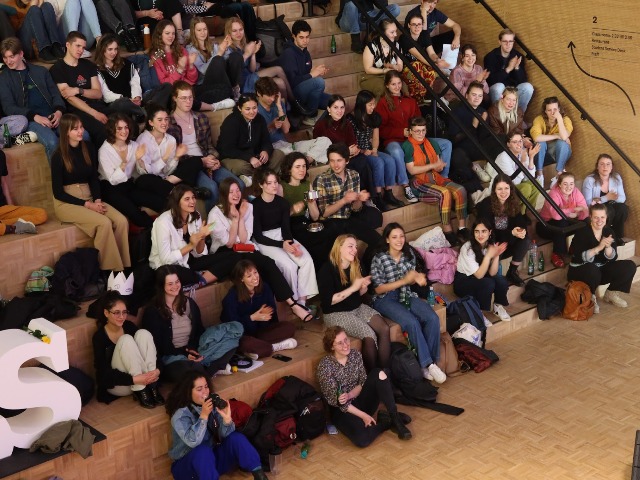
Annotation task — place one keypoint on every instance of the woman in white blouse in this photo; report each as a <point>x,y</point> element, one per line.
<point>117,159</point>
<point>178,238</point>
<point>162,166</point>
<point>231,230</point>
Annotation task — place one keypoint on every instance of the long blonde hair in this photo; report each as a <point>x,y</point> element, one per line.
<point>207,52</point>
<point>227,31</point>
<point>336,260</point>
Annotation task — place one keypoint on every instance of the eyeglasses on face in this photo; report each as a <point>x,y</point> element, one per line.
<point>119,313</point>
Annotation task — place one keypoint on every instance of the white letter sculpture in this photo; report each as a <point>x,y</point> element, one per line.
<point>47,398</point>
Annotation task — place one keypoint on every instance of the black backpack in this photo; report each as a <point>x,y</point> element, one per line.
<point>465,310</point>
<point>77,275</point>
<point>275,36</point>
<point>407,377</point>
<point>549,299</point>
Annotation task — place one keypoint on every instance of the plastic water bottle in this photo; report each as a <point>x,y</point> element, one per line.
<point>431,299</point>
<point>533,258</point>
<point>304,451</point>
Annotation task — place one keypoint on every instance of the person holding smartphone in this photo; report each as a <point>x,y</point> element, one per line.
<point>204,441</point>
<point>181,341</point>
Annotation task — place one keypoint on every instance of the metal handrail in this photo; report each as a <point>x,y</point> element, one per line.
<point>574,225</point>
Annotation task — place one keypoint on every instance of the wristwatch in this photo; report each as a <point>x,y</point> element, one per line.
<point>81,91</point>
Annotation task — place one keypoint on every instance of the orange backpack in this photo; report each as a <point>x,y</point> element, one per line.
<point>578,304</point>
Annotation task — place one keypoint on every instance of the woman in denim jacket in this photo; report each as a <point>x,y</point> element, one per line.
<point>205,444</point>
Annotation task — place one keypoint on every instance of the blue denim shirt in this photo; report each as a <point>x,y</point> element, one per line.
<point>189,430</point>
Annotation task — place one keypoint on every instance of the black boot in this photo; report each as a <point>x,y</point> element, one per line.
<point>158,399</point>
<point>259,475</point>
<point>380,203</point>
<point>143,396</point>
<point>398,427</point>
<point>452,238</point>
<point>356,44</point>
<point>513,277</point>
<point>384,420</point>
<point>389,198</point>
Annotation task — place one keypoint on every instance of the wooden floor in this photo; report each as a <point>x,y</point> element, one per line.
<point>562,403</point>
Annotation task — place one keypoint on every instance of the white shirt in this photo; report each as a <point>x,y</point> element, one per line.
<point>508,166</point>
<point>222,226</point>
<point>167,241</point>
<point>136,89</point>
<point>109,163</point>
<point>467,263</point>
<point>153,156</point>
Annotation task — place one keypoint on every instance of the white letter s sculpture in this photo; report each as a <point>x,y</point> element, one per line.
<point>47,398</point>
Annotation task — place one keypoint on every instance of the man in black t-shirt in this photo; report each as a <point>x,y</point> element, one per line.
<point>14,219</point>
<point>77,80</point>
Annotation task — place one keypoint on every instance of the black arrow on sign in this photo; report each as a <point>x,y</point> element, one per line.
<point>572,46</point>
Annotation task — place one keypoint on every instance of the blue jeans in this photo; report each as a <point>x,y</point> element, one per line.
<point>525,92</point>
<point>420,322</point>
<point>81,15</point>
<point>445,154</point>
<point>213,182</point>
<point>48,137</point>
<point>387,171</point>
<point>558,149</point>
<point>206,463</point>
<point>311,93</point>
<point>39,23</point>
<point>350,19</point>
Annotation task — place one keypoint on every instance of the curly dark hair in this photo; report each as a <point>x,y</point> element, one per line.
<point>329,337</point>
<point>112,123</point>
<point>107,301</point>
<point>180,396</point>
<point>512,206</point>
<point>287,165</point>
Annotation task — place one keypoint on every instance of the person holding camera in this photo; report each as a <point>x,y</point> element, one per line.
<point>205,444</point>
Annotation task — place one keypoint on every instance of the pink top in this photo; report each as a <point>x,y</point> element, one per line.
<point>576,199</point>
<point>462,79</point>
<point>167,73</point>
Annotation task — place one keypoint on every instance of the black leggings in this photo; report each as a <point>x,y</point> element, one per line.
<point>559,239</point>
<point>244,10</point>
<point>372,356</point>
<point>127,199</point>
<point>373,392</point>
<point>216,85</point>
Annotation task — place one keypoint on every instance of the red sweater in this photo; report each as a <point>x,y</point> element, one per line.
<point>394,122</point>
<point>337,131</point>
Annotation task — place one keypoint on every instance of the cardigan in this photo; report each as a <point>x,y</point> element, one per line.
<point>106,376</point>
<point>591,188</point>
<point>162,331</point>
<point>584,240</point>
<point>233,310</point>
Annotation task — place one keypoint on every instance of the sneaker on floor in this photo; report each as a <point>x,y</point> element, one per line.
<point>409,195</point>
<point>596,307</point>
<point>22,226</point>
<point>288,344</point>
<point>227,371</point>
<point>540,180</point>
<point>481,172</point>
<point>610,296</point>
<point>309,121</point>
<point>554,180</point>
<point>487,322</point>
<point>513,278</point>
<point>26,137</point>
<point>501,312</point>
<point>435,373</point>
<point>248,181</point>
<point>221,105</point>
<point>252,356</point>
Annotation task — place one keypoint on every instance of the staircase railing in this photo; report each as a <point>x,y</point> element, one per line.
<point>373,25</point>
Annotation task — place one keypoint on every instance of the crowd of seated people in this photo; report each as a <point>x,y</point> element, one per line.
<point>276,234</point>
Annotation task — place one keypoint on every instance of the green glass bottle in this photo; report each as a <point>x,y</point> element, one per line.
<point>530,266</point>
<point>541,262</point>
<point>334,48</point>
<point>6,136</point>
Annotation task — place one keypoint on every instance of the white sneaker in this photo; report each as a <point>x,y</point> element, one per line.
<point>288,344</point>
<point>26,137</point>
<point>613,298</point>
<point>596,307</point>
<point>227,371</point>
<point>481,172</point>
<point>501,312</point>
<point>486,321</point>
<point>408,194</point>
<point>222,104</point>
<point>252,356</point>
<point>554,180</point>
<point>86,54</point>
<point>22,226</point>
<point>540,180</point>
<point>478,196</point>
<point>309,121</point>
<point>434,373</point>
<point>248,181</point>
